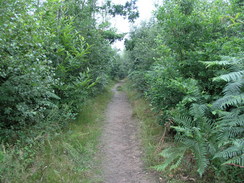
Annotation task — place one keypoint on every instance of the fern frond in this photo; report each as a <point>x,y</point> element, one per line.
<point>173,157</point>
<point>189,99</point>
<point>229,100</point>
<point>184,121</point>
<point>189,142</point>
<point>239,160</point>
<point>232,76</point>
<point>171,151</point>
<point>231,132</point>
<point>179,138</point>
<point>231,125</point>
<point>208,125</point>
<point>230,114</point>
<point>200,153</point>
<point>198,110</point>
<point>177,163</point>
<point>199,149</point>
<point>234,153</point>
<point>212,146</point>
<point>215,63</point>
<point>184,130</point>
<point>232,121</point>
<point>225,60</point>
<point>164,165</point>
<point>234,88</point>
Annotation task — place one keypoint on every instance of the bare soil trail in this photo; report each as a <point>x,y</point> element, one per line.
<point>120,144</point>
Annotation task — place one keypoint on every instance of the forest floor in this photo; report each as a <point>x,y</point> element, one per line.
<point>120,143</point>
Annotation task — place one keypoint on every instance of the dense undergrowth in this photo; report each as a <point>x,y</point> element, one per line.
<point>66,156</point>
<point>188,63</point>
<point>55,56</point>
<point>156,137</point>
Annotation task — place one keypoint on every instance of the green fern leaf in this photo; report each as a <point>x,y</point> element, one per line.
<point>233,76</point>
<point>198,110</point>
<point>234,153</point>
<point>232,121</point>
<point>186,131</point>
<point>173,157</point>
<point>184,121</point>
<point>229,132</point>
<point>226,60</point>
<point>200,152</point>
<point>234,88</point>
<point>216,63</point>
<point>177,163</point>
<point>229,100</point>
<point>238,160</point>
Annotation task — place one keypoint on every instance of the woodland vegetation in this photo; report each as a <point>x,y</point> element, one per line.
<point>54,56</point>
<point>187,62</point>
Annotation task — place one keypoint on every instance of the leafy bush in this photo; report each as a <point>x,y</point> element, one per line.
<point>48,63</point>
<point>209,140</point>
<point>167,61</point>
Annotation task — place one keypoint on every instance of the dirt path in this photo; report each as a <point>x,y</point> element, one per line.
<point>120,144</point>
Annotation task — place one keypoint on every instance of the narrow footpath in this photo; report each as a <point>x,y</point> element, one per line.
<point>122,161</point>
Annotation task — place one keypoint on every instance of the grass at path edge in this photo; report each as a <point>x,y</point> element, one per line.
<point>150,132</point>
<point>69,157</point>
